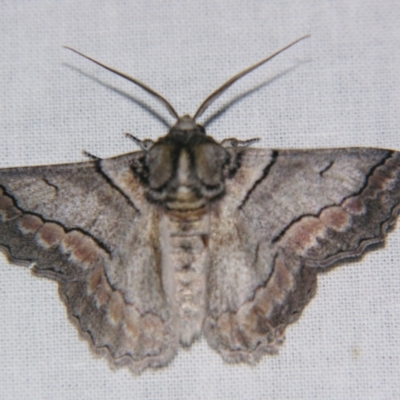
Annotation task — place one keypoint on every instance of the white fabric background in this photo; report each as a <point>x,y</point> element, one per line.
<point>339,88</point>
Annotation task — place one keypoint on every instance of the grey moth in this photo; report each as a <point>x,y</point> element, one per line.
<point>190,237</point>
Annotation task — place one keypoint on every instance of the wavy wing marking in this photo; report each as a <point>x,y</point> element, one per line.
<point>311,209</point>
<point>70,221</point>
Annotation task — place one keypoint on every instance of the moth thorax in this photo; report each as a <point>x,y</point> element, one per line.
<point>186,195</point>
<point>184,192</point>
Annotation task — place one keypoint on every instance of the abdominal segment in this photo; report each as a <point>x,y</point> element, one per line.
<point>185,264</point>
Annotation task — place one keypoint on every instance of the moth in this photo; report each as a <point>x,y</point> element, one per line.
<point>191,237</point>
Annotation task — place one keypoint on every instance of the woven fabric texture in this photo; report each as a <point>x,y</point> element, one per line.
<point>339,88</point>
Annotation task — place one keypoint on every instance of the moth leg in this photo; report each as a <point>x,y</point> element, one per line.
<point>144,144</point>
<point>90,155</point>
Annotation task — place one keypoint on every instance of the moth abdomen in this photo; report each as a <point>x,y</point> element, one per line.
<point>186,258</point>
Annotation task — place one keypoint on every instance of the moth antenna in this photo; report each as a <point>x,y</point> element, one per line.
<point>214,95</point>
<point>133,80</point>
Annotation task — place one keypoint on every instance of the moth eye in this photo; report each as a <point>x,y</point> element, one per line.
<point>210,162</point>
<point>159,163</point>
